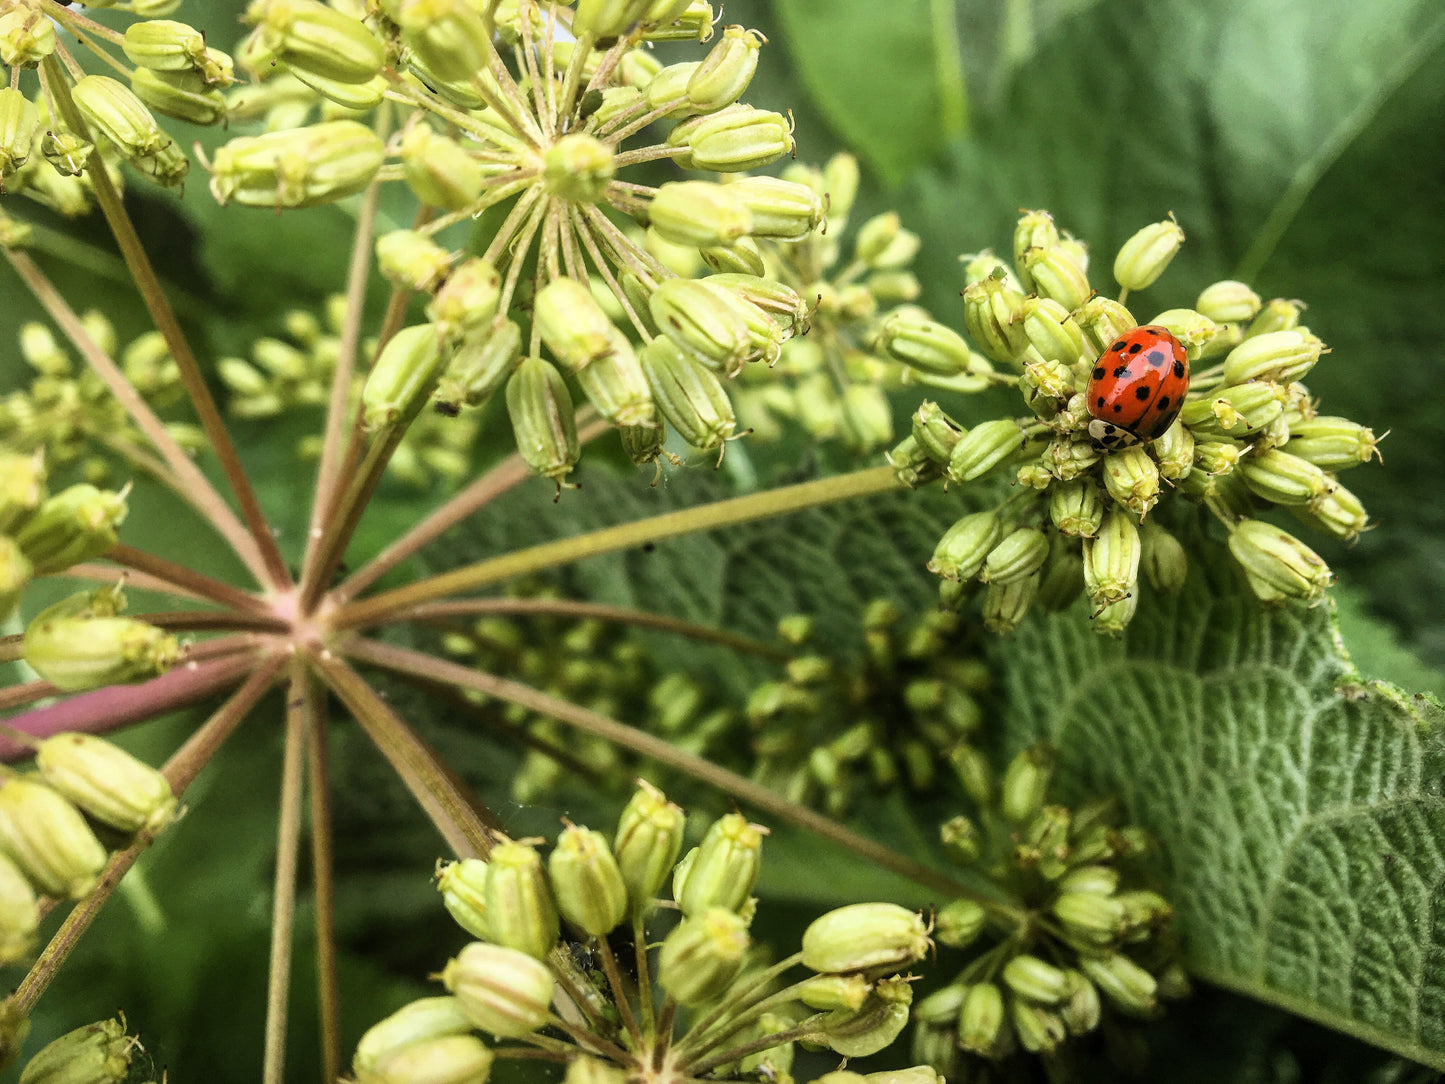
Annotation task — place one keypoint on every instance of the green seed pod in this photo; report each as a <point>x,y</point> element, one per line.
<point>411,260</point>
<point>1277,565</point>
<point>19,121</point>
<point>935,432</point>
<point>520,910</point>
<point>467,301</point>
<point>965,546</point>
<point>48,839</point>
<point>1057,275</point>
<point>1282,478</point>
<point>983,448</point>
<point>726,866</point>
<point>591,894</point>
<point>959,923</point>
<point>870,937</point>
<point>1143,257</point>
<point>543,421</point>
<point>449,37</point>
<point>1131,988</point>
<point>1075,508</point>
<point>106,782</point>
<point>416,1022</point>
<point>439,170</point>
<point>1228,302</point>
<point>649,836</point>
<point>502,990</point>
<point>688,395</point>
<point>981,1027</point>
<point>1039,1031</point>
<point>1339,513</point>
<point>726,71</point>
<point>1131,477</point>
<point>402,377</point>
<point>782,210</point>
<point>1162,559</point>
<point>314,39</point>
<point>183,95</point>
<point>1102,320</point>
<point>1019,554</point>
<point>873,1026</point>
<point>699,213</point>
<point>1280,356</point>
<point>1111,561</point>
<point>572,324</point>
<point>74,525</point>
<point>302,167</point>
<point>463,886</point>
<point>1053,331</point>
<point>828,993</point>
<point>94,1054</point>
<point>1330,443</point>
<point>1026,783</point>
<point>1035,229</point>
<point>924,345</point>
<point>702,955</point>
<point>115,112</point>
<point>993,315</point>
<point>1174,452</point>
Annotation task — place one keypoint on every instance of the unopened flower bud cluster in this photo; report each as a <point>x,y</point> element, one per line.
<point>1085,935</point>
<point>99,1053</point>
<point>49,824</point>
<point>1249,439</point>
<point>699,994</point>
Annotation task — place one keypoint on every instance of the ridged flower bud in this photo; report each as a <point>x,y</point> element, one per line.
<point>965,546</point>
<point>463,886</point>
<point>827,993</point>
<point>726,71</point>
<point>1103,320</point>
<point>501,990</point>
<point>699,213</point>
<point>572,324</point>
<point>978,266</point>
<point>1162,559</point>
<point>439,170</point>
<point>49,839</point>
<point>1277,565</point>
<point>782,210</point>
<point>75,652</point>
<point>865,937</point>
<point>19,913</point>
<point>649,836</point>
<point>1053,331</point>
<point>1330,443</point>
<point>1339,512</point>
<point>450,37</point>
<point>1283,478</point>
<point>993,315</point>
<point>1035,979</point>
<point>605,19</point>
<point>983,448</point>
<point>616,385</point>
<point>1234,411</point>
<point>419,1021</point>
<point>590,892</point>
<point>1131,988</point>
<point>106,782</point>
<point>1111,561</point>
<point>924,345</point>
<point>738,139</point>
<point>703,954</point>
<point>1075,508</point>
<point>779,301</point>
<point>97,1053</point>
<point>315,39</point>
<point>981,1027</point>
<point>301,167</point>
<point>521,912</point>
<point>402,377</point>
<point>27,36</point>
<point>165,45</point>
<point>1039,1031</point>
<point>687,394</point>
<point>725,868</point>
<point>411,260</point>
<point>183,95</point>
<point>1174,452</point>
<point>74,525</point>
<point>1131,477</point>
<point>543,421</point>
<point>1090,917</point>
<point>1019,554</point>
<point>871,1027</point>
<point>1276,315</point>
<point>959,923</point>
<point>1280,356</point>
<point>19,121</point>
<point>1057,275</point>
<point>1228,302</point>
<point>742,257</point>
<point>113,110</point>
<point>1143,258</point>
<point>578,167</point>
<point>1026,783</point>
<point>713,324</point>
<point>1035,229</point>
<point>935,432</point>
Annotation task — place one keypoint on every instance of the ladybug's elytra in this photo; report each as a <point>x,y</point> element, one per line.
<point>1137,387</point>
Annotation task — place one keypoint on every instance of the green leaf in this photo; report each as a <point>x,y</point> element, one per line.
<point>1298,806</point>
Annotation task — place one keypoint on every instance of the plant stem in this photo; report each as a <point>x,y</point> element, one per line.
<point>740,789</point>
<point>192,582</point>
<point>481,492</point>
<point>213,621</point>
<point>288,850</point>
<point>154,297</point>
<point>181,770</point>
<point>462,820</point>
<point>323,879</point>
<point>573,608</point>
<point>726,513</point>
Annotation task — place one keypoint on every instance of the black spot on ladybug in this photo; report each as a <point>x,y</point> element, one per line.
<point>1134,348</point>
<point>1099,373</point>
<point>1142,392</point>
<point>1121,372</point>
<point>1163,403</point>
<point>1101,400</point>
<point>1179,370</point>
<point>1118,408</point>
<point>1117,346</point>
<point>1156,358</point>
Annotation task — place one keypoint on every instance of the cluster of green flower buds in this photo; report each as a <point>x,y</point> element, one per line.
<point>546,927</point>
<point>1082,933</point>
<point>73,416</point>
<point>53,820</point>
<point>99,1053</point>
<point>1247,438</point>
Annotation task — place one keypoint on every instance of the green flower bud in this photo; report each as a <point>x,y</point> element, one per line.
<point>604,19</point>
<point>74,525</point>
<point>115,112</point>
<point>19,913</point>
<point>1005,605</point>
<point>1217,456</point>
<point>993,315</point>
<point>1283,478</point>
<point>1035,229</point>
<point>446,1059</point>
<point>183,95</point>
<point>703,955</point>
<point>85,652</point>
<point>1053,331</point>
<point>1039,1031</point>
<point>94,1054</point>
<point>22,487</point>
<point>1339,513</point>
<point>1082,1009</point>
<point>873,1026</point>
<point>741,257</point>
<point>1102,320</point>
<point>866,417</point>
<point>1277,565</point>
<point>18,123</point>
<point>884,243</point>
<point>467,300</point>
<point>501,990</point>
<point>965,546</point>
<point>417,1022</point>
<point>840,185</point>
<point>1228,302</point>
<point>1234,411</point>
<point>106,782</point>
<point>439,170</point>
<point>1057,274</point>
<point>1131,988</point>
<point>1276,315</point>
<point>520,909</point>
<point>572,324</point>
<point>699,213</point>
<point>1075,508</point>
<point>878,937</point>
<point>591,894</point>
<point>1090,917</point>
<point>911,465</point>
<point>543,421</point>
<point>981,1020</point>
<point>726,866</point>
<point>688,395</point>
<point>984,447</point>
<point>715,325</point>
<point>1194,330</point>
<point>463,886</point>
<point>726,71</point>
<point>27,36</point>
<point>585,1070</point>
<point>449,37</point>
<point>649,836</point>
<point>48,839</point>
<point>315,39</point>
<point>1111,561</point>
<point>302,167</point>
<point>828,993</point>
<point>978,266</point>
<point>1026,783</point>
<point>165,45</point>
<point>925,345</point>
<point>959,923</point>
<point>782,210</point>
<point>1143,257</point>
<point>935,432</point>
<point>617,386</point>
<point>402,377</point>
<point>411,260</point>
<point>917,1074</point>
<point>1162,559</point>
<point>1019,554</point>
<point>1132,478</point>
<point>780,302</point>
<point>578,167</point>
<point>1062,579</point>
<point>1174,452</point>
<point>1281,356</point>
<point>738,139</point>
<point>940,1007</point>
<point>1330,443</point>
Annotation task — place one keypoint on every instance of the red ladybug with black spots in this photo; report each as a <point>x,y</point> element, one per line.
<point>1137,388</point>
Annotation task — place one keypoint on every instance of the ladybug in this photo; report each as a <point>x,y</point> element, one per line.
<point>1137,387</point>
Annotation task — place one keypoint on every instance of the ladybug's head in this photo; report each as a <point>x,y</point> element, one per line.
<point>1108,437</point>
